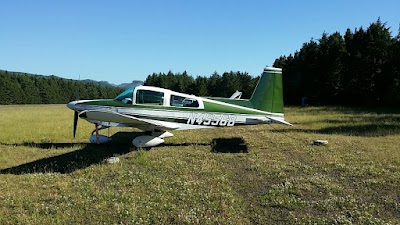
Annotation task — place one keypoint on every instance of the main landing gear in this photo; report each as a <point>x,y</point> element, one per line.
<point>155,137</point>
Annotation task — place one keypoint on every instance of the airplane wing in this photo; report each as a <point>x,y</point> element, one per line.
<point>117,119</point>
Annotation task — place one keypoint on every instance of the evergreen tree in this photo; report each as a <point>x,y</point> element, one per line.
<point>360,68</point>
<point>22,88</point>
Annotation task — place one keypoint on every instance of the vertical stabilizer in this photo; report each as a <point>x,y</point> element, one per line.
<point>268,94</point>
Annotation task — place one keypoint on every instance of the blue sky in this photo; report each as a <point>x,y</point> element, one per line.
<point>121,41</point>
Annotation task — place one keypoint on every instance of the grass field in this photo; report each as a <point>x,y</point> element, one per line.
<point>47,177</point>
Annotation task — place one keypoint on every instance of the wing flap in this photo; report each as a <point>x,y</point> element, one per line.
<point>130,121</point>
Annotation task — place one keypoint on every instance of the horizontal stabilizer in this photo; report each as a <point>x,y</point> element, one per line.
<point>279,120</point>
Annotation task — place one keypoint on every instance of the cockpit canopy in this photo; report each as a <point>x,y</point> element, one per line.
<point>148,95</point>
<point>125,96</point>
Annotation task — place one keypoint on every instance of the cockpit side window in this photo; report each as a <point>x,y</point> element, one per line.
<point>180,101</point>
<point>149,97</point>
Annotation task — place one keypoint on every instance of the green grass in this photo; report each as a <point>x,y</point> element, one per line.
<point>47,177</point>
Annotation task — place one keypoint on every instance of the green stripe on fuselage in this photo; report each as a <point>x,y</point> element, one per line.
<point>215,107</point>
<point>208,107</point>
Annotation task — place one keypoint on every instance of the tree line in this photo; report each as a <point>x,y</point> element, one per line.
<point>21,88</point>
<point>359,68</point>
<point>215,85</point>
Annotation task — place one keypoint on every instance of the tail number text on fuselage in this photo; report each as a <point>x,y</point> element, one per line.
<point>211,119</point>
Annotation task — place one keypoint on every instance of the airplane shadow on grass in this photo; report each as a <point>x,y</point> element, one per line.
<point>90,154</point>
<point>69,162</point>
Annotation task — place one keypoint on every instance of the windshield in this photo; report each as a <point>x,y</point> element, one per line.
<point>125,95</point>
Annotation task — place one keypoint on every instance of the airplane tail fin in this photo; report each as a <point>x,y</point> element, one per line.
<point>268,94</point>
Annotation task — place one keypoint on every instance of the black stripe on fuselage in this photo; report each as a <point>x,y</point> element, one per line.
<point>180,120</point>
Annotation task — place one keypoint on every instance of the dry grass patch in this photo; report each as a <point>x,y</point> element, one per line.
<point>47,177</point>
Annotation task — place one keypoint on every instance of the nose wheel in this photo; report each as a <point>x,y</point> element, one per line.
<point>95,137</point>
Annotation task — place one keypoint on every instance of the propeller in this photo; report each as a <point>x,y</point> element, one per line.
<point>76,113</point>
<point>75,121</point>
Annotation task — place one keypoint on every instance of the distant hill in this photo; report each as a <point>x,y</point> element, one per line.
<point>27,88</point>
<point>101,83</point>
<point>134,83</point>
<point>123,85</point>
<point>22,73</point>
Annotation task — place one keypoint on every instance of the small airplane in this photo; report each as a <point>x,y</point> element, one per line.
<point>159,111</point>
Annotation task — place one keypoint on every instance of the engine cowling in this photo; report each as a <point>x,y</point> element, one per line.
<point>102,139</point>
<point>147,141</point>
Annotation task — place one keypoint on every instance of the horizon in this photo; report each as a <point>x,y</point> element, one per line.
<point>126,41</point>
<point>48,75</point>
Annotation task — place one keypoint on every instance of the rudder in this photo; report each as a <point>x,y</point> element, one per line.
<point>268,94</point>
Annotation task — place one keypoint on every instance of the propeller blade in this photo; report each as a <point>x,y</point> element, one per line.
<point>75,121</point>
